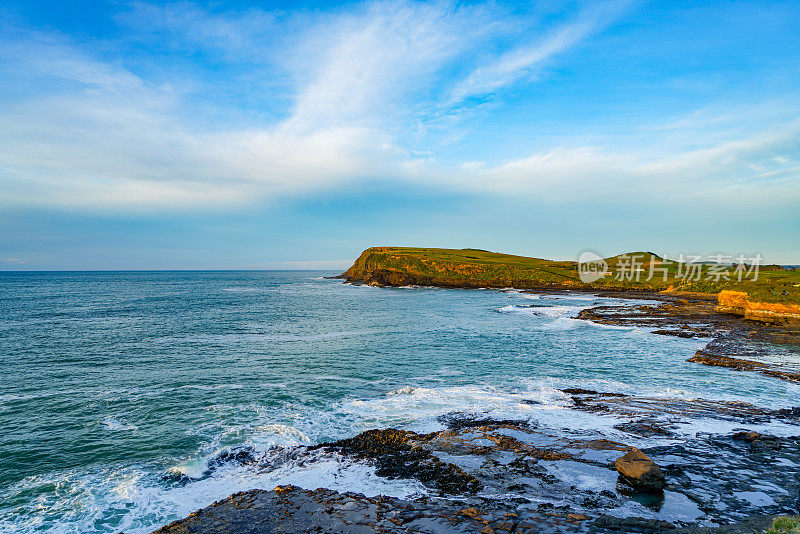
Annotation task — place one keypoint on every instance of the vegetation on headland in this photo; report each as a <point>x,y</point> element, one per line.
<point>635,271</point>
<point>785,525</point>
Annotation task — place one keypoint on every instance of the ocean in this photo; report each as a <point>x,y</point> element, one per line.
<point>121,392</point>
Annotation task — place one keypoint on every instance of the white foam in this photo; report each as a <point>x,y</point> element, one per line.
<point>278,435</point>
<point>280,338</point>
<point>238,289</point>
<point>140,502</point>
<point>116,426</point>
<point>418,408</point>
<point>544,311</point>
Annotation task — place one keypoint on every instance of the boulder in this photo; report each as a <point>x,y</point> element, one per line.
<point>640,471</point>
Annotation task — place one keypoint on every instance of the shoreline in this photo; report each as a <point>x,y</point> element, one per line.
<point>773,297</point>
<point>727,329</point>
<point>455,505</point>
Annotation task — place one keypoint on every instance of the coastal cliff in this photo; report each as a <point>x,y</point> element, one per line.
<point>466,268</point>
<point>739,303</point>
<point>773,297</point>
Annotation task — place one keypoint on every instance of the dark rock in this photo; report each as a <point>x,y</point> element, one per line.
<point>632,524</point>
<point>676,333</point>
<point>738,364</point>
<point>289,509</point>
<point>760,441</point>
<point>458,421</point>
<point>397,454</point>
<point>793,412</point>
<point>644,428</point>
<point>581,391</point>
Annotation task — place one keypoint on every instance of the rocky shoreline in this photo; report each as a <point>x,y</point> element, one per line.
<point>735,342</point>
<point>486,475</point>
<point>489,476</point>
<point>289,509</point>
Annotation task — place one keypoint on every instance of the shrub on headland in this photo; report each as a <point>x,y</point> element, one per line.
<point>785,525</point>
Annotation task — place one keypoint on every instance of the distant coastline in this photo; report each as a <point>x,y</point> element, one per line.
<point>773,297</point>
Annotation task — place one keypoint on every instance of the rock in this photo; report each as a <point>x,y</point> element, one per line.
<point>677,333</point>
<point>747,436</point>
<point>707,357</point>
<point>644,428</point>
<point>397,454</point>
<point>632,524</point>
<point>640,471</point>
<point>292,509</point>
<point>758,441</point>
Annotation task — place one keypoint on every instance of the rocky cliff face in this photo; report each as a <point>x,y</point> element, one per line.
<point>389,266</point>
<point>738,303</point>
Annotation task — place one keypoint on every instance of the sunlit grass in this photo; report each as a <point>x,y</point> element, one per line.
<point>785,525</point>
<point>469,267</point>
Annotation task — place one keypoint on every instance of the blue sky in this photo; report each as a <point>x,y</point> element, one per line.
<point>288,135</point>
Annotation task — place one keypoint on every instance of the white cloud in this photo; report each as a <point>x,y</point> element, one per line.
<point>375,66</point>
<point>524,60</point>
<point>360,83</point>
<point>763,162</point>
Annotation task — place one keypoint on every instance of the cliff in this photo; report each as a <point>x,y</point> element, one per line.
<point>467,268</point>
<point>739,303</point>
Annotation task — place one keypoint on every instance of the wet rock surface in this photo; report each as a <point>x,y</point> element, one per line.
<point>289,509</point>
<point>401,454</point>
<point>484,475</point>
<point>734,342</point>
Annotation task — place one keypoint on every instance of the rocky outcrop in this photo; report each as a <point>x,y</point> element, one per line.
<point>739,303</point>
<point>738,364</point>
<point>531,479</point>
<point>399,454</point>
<point>464,268</point>
<point>289,509</point>
<point>736,343</point>
<point>733,302</point>
<point>638,470</point>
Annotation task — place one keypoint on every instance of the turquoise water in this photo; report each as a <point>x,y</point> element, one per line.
<point>118,389</point>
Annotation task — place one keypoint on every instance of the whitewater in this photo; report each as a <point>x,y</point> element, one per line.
<point>124,395</point>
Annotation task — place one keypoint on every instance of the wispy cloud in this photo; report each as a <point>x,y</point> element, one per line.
<point>526,59</point>
<point>760,165</point>
<point>347,96</point>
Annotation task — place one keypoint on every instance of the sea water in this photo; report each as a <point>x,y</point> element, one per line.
<point>120,390</point>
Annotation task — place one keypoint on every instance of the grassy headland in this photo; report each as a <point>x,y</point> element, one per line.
<point>634,271</point>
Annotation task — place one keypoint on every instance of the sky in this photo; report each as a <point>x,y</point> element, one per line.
<point>268,135</point>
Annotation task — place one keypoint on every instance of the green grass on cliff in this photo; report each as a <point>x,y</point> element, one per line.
<point>482,268</point>
<point>468,267</point>
<point>785,525</point>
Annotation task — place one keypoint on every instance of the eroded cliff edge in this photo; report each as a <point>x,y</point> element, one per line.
<point>739,303</point>
<point>464,268</point>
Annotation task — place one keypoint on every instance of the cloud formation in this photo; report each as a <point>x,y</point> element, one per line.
<point>293,104</point>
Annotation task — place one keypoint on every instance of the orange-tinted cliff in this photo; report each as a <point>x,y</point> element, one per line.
<point>738,303</point>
